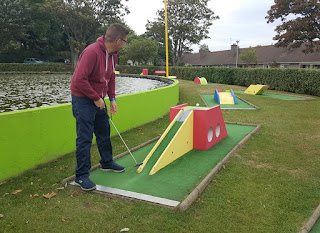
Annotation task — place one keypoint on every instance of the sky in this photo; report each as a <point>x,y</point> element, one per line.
<point>240,20</point>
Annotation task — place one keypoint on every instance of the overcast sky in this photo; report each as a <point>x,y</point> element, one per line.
<point>242,20</point>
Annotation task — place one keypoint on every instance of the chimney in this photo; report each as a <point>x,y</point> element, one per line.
<point>202,53</point>
<point>234,49</point>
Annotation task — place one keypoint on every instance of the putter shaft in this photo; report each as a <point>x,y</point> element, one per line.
<point>123,141</point>
<point>137,165</point>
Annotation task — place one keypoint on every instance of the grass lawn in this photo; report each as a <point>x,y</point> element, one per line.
<point>271,185</point>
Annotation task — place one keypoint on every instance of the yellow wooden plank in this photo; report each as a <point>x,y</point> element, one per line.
<point>180,144</point>
<point>158,143</point>
<point>226,98</point>
<point>262,90</point>
<point>203,80</point>
<point>256,89</point>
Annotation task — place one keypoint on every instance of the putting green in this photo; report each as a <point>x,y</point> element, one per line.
<point>240,104</point>
<point>316,227</point>
<point>178,179</point>
<point>277,96</point>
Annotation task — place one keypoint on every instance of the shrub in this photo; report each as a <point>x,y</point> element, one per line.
<point>36,67</point>
<point>303,81</point>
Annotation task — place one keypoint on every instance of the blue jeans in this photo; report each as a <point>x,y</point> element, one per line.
<point>90,119</point>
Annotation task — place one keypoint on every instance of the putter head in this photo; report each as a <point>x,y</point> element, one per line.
<point>138,164</point>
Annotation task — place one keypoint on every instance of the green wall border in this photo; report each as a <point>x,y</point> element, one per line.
<point>38,135</point>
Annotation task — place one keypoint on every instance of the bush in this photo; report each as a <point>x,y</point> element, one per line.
<point>36,67</point>
<point>303,81</point>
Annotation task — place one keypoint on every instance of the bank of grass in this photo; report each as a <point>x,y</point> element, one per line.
<point>271,185</point>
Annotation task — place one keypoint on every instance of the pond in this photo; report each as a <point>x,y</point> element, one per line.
<point>22,91</point>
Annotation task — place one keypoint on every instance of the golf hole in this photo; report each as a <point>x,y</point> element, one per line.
<point>218,130</point>
<point>210,135</point>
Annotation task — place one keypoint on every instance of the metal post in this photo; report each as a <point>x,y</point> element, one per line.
<point>166,35</point>
<point>237,53</point>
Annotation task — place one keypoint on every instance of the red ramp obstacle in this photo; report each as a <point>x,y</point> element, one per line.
<point>202,81</point>
<point>208,128</point>
<point>190,128</point>
<point>208,125</point>
<point>144,72</point>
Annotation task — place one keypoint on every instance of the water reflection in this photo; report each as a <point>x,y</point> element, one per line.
<point>29,91</point>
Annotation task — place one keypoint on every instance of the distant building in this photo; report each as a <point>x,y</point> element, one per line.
<point>268,57</point>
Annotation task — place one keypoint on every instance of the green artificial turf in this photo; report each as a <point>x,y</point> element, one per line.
<point>210,102</point>
<point>176,180</point>
<point>316,227</point>
<point>277,96</point>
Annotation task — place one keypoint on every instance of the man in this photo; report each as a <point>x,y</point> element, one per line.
<point>93,79</point>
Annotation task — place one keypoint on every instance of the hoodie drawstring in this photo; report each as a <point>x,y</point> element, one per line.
<point>113,70</point>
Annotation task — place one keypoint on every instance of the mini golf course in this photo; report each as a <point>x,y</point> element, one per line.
<point>240,103</point>
<point>279,96</point>
<point>171,185</point>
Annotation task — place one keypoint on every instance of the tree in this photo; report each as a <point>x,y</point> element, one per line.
<point>82,19</point>
<point>143,51</point>
<point>36,28</point>
<point>249,56</point>
<point>160,40</point>
<point>188,23</point>
<point>11,22</point>
<point>300,23</point>
<point>204,47</point>
<point>24,28</point>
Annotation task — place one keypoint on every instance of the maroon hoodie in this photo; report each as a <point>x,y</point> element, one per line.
<point>91,78</point>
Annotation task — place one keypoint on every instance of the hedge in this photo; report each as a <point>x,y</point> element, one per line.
<point>303,81</point>
<point>36,67</point>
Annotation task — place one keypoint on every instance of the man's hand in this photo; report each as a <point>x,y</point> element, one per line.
<point>100,104</point>
<point>113,107</point>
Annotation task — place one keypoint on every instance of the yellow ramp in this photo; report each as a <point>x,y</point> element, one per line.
<point>203,80</point>
<point>256,89</point>
<point>226,98</point>
<point>180,144</point>
<point>158,143</point>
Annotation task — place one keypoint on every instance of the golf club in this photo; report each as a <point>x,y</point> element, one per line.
<point>137,164</point>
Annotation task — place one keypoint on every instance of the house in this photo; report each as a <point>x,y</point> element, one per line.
<point>268,57</point>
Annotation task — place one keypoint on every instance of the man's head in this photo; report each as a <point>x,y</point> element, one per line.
<point>116,38</point>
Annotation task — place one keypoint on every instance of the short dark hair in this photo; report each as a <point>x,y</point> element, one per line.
<point>115,31</point>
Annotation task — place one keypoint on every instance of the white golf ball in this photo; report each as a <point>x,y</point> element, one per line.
<point>197,104</point>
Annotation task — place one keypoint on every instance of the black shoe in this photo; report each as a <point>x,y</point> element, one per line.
<point>112,166</point>
<point>85,183</point>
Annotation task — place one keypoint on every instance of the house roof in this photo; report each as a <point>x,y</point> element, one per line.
<point>266,54</point>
